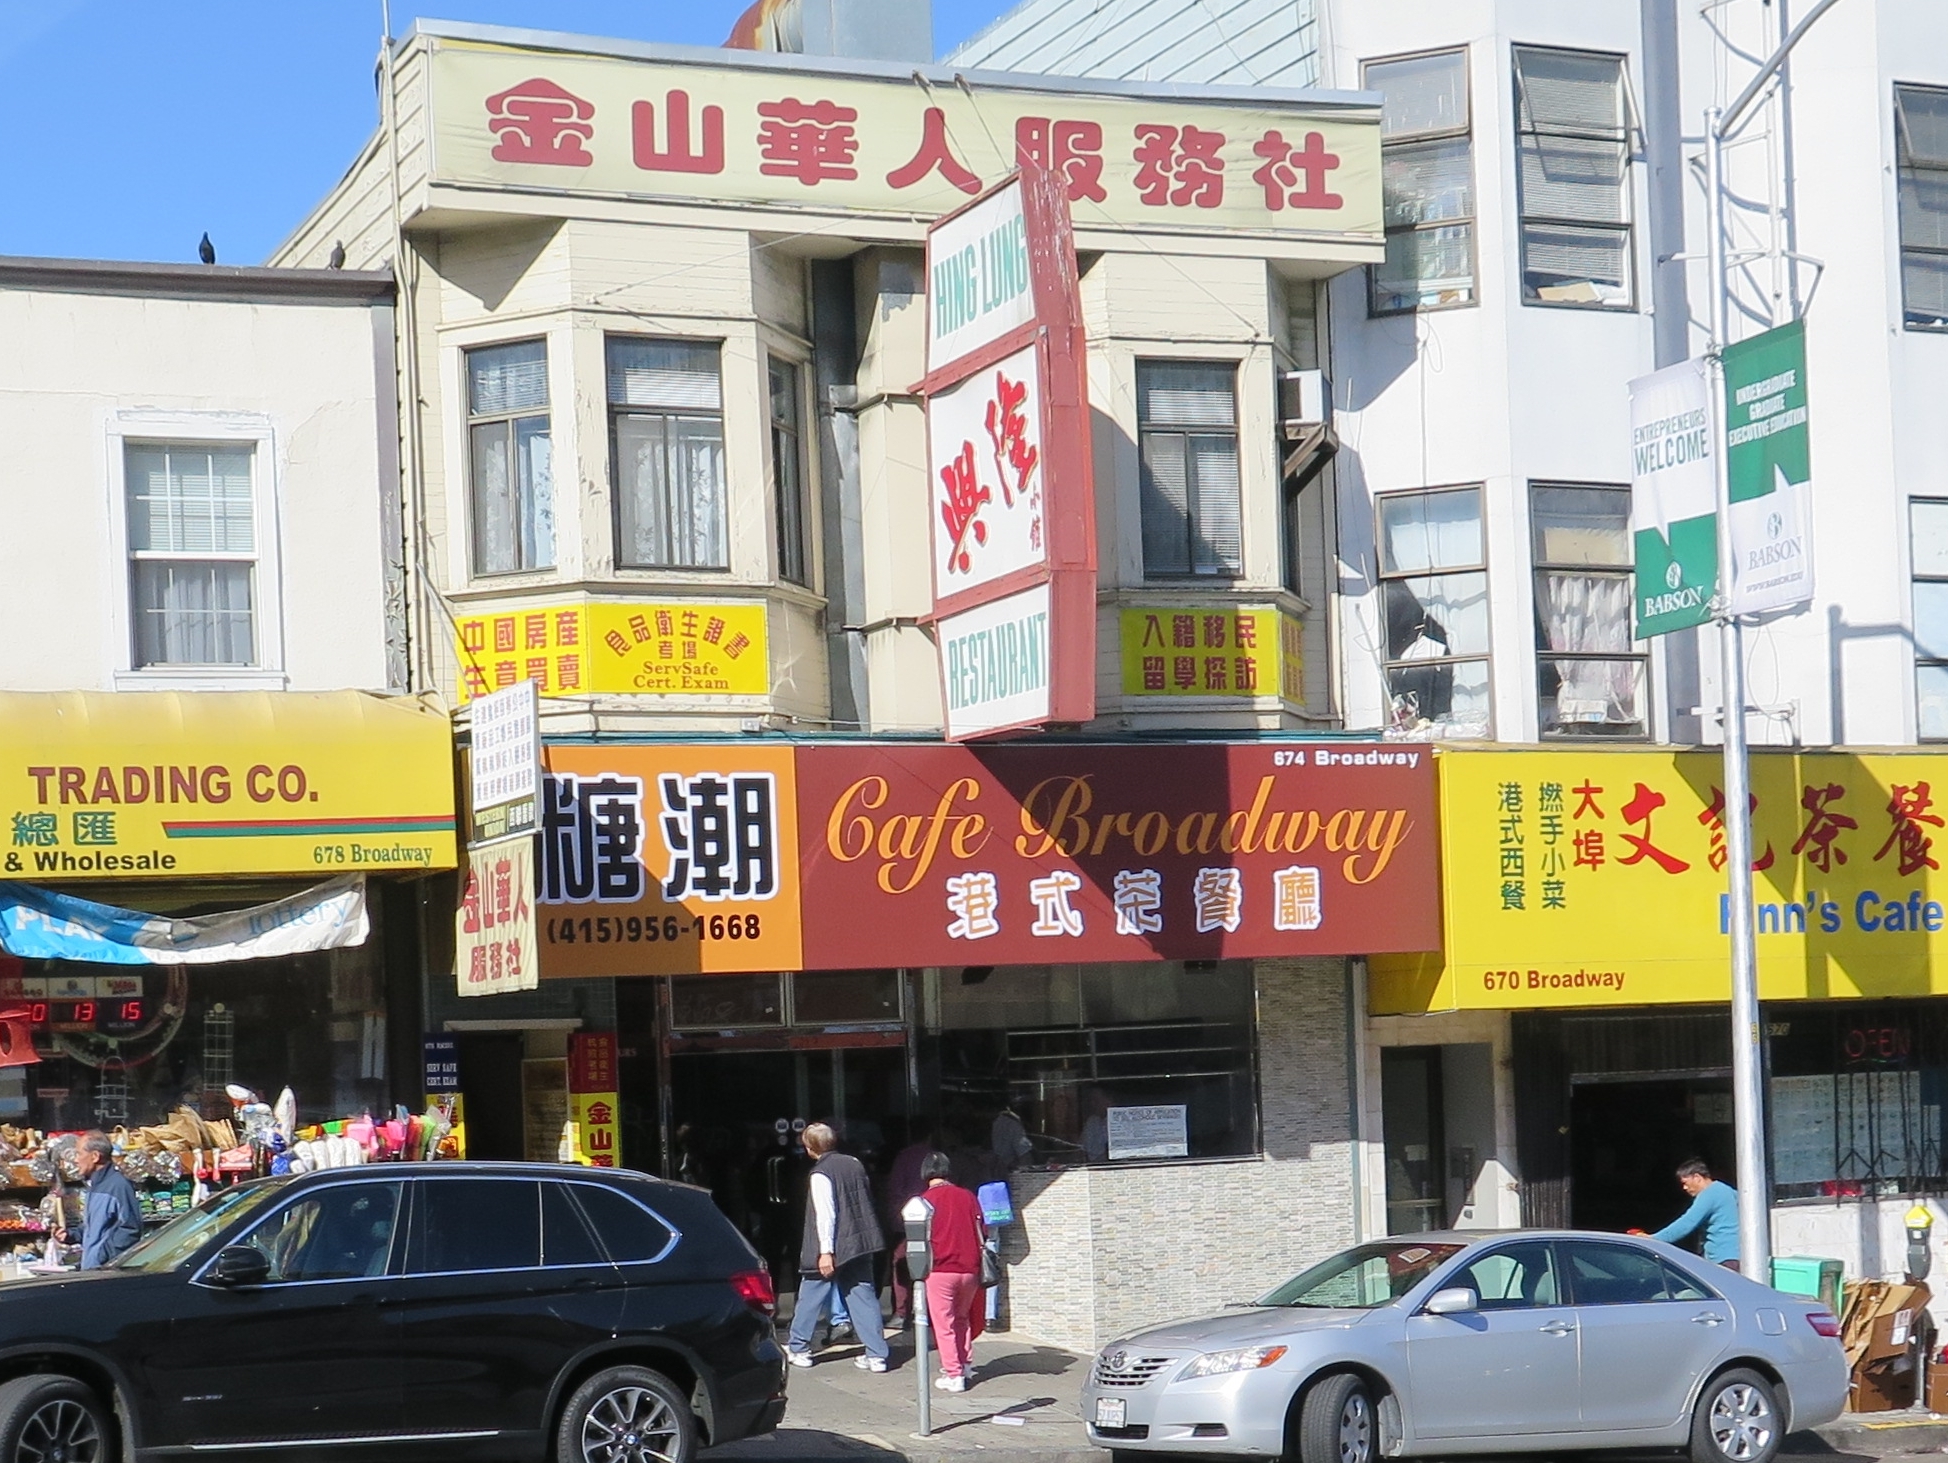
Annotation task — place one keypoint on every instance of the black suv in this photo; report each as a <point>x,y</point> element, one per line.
<point>404,1311</point>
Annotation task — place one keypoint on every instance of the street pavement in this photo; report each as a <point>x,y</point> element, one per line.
<point>1023,1408</point>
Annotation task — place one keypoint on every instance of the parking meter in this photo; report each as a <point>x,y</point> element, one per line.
<point>1920,1224</point>
<point>917,1217</point>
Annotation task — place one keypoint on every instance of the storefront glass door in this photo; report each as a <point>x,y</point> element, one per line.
<point>1627,1139</point>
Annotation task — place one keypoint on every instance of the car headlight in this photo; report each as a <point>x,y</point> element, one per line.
<point>1217,1363</point>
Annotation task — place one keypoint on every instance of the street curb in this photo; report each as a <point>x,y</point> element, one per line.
<point>1889,1432</point>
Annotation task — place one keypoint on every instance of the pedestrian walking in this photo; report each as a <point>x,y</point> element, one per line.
<point>111,1217</point>
<point>1714,1209</point>
<point>954,1283</point>
<point>902,1184</point>
<point>840,1251</point>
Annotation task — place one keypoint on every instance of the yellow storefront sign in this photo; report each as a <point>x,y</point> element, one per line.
<point>599,647</point>
<point>1182,650</point>
<point>1597,878</point>
<point>165,784</point>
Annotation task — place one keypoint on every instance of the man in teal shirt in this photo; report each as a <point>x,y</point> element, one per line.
<point>1714,1209</point>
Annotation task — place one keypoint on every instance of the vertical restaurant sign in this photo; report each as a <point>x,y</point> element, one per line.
<point>1012,501</point>
<point>1000,855</point>
<point>666,859</point>
<point>627,648</point>
<point>1769,462</point>
<point>1591,878</point>
<point>1291,168</point>
<point>494,949</point>
<point>593,1099</point>
<point>1187,650</point>
<point>1673,500</point>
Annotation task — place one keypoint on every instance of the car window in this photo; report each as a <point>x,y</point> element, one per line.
<point>565,1236</point>
<point>475,1224</point>
<point>1621,1275</point>
<point>1514,1277</point>
<point>629,1232</point>
<point>182,1238</point>
<point>343,1232</point>
<point>1363,1277</point>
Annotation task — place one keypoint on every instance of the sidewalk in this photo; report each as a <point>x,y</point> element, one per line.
<point>1022,1405</point>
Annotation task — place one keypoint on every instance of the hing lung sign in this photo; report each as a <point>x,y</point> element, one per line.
<point>1012,501</point>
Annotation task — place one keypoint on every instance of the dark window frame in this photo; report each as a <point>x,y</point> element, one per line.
<point>1933,170</point>
<point>1916,577</point>
<point>1193,517</point>
<point>619,490</point>
<point>1622,138</point>
<point>1464,133</point>
<point>1383,577</point>
<point>510,421</point>
<point>792,500</point>
<point>1626,574</point>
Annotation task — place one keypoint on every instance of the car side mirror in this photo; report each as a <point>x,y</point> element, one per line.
<point>1454,1301</point>
<point>240,1265</point>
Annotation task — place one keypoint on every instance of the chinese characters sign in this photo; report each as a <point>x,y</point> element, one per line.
<point>590,647</point>
<point>661,859</point>
<point>504,762</point>
<point>984,437</point>
<point>594,1105</point>
<point>791,134</point>
<point>1182,650</point>
<point>1581,878</point>
<point>179,785</point>
<point>493,947</point>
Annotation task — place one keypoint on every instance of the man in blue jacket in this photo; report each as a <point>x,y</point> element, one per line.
<point>111,1217</point>
<point>1714,1209</point>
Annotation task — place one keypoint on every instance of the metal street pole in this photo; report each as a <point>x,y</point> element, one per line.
<point>1748,1066</point>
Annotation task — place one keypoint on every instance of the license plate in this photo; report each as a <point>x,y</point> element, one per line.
<point>1111,1411</point>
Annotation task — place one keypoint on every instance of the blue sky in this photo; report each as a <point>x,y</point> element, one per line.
<point>140,123</point>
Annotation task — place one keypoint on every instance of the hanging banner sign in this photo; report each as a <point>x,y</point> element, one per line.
<point>594,1103</point>
<point>504,760</point>
<point>1013,496</point>
<point>1769,460</point>
<point>39,924</point>
<point>494,948</point>
<point>1673,500</point>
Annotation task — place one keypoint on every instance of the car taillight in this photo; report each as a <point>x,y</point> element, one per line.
<point>1823,1322</point>
<point>755,1289</point>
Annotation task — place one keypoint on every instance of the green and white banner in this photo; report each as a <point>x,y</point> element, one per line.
<point>1768,458</point>
<point>1673,494</point>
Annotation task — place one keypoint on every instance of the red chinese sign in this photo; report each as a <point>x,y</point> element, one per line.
<point>592,1097</point>
<point>494,927</point>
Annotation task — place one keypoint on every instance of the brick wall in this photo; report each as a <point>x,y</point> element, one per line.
<point>1100,1252</point>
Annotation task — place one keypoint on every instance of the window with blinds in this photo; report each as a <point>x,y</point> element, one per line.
<point>1434,594</point>
<point>1921,141</point>
<point>510,458</point>
<point>1572,160</point>
<point>1590,673</point>
<point>788,476</point>
<point>1427,183</point>
<point>1187,429</point>
<point>192,526</point>
<point>666,424</point>
<point>1928,557</point>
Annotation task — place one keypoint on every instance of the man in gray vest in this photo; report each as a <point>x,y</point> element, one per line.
<point>840,1251</point>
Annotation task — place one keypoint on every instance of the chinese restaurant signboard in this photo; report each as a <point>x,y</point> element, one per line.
<point>662,859</point>
<point>1012,504</point>
<point>1295,169</point>
<point>1597,878</point>
<point>626,648</point>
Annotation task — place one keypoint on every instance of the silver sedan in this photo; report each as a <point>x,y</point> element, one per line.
<point>1475,1343</point>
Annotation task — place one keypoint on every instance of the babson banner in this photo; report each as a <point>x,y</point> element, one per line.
<point>666,859</point>
<point>1769,461</point>
<point>1596,877</point>
<point>1673,494</point>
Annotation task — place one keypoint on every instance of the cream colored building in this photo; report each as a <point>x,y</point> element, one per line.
<point>757,335</point>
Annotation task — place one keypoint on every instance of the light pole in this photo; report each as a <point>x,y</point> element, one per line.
<point>1748,1087</point>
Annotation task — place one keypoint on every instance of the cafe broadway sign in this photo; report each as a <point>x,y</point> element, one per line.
<point>726,856</point>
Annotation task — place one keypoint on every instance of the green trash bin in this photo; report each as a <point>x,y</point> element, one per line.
<point>1807,1275</point>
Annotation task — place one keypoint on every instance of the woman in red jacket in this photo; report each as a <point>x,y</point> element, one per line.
<point>954,1300</point>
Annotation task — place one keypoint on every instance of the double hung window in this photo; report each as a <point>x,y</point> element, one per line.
<point>511,458</point>
<point>1434,592</point>
<point>192,535</point>
<point>788,475</point>
<point>1427,183</point>
<point>1921,145</point>
<point>1187,425</point>
<point>1928,528</point>
<point>666,415</point>
<point>1589,672</point>
<point>1572,161</point>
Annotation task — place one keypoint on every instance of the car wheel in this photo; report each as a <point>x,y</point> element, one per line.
<point>1737,1420</point>
<point>627,1414</point>
<point>1336,1424</point>
<point>45,1418</point>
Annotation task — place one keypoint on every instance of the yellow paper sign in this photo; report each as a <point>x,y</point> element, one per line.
<point>1597,878</point>
<point>166,784</point>
<point>1181,650</point>
<point>585,647</point>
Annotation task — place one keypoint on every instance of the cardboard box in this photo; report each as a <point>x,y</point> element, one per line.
<point>1894,1321</point>
<point>1884,1386</point>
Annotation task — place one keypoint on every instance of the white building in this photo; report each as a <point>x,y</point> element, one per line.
<point>1546,219</point>
<point>202,493</point>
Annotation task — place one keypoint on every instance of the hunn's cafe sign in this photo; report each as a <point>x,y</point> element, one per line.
<point>663,859</point>
<point>1299,170</point>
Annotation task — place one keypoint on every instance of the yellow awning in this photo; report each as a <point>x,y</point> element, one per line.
<point>185,784</point>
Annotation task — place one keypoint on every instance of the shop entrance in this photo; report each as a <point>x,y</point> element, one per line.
<point>1627,1139</point>
<point>737,1114</point>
